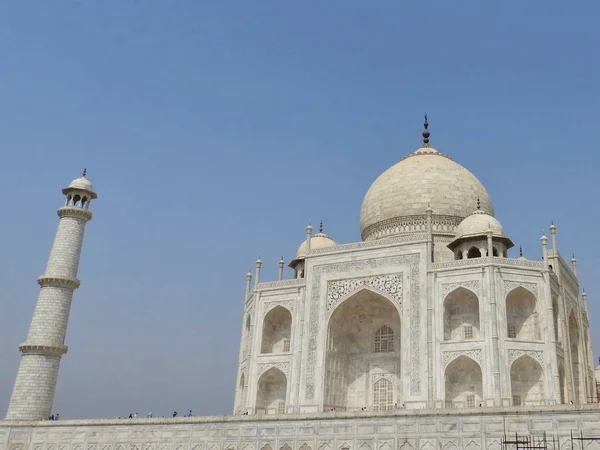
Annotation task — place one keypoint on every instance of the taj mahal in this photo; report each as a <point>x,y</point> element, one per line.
<point>424,335</point>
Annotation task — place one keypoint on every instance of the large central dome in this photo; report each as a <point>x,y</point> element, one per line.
<point>397,201</point>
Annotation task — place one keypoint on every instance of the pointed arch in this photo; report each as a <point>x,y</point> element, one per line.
<point>562,382</point>
<point>363,339</point>
<point>367,289</point>
<point>522,315</point>
<point>574,337</point>
<point>526,382</point>
<point>473,252</point>
<point>242,392</point>
<point>271,392</point>
<point>463,383</point>
<point>461,315</point>
<point>555,321</point>
<point>247,336</point>
<point>277,329</point>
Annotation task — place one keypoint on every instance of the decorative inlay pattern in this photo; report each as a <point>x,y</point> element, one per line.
<point>371,243</point>
<point>449,356</point>
<point>471,285</point>
<point>284,366</point>
<point>415,313</point>
<point>510,285</point>
<point>390,284</point>
<point>515,353</point>
<point>440,224</point>
<point>280,284</point>
<point>487,260</point>
<point>287,304</point>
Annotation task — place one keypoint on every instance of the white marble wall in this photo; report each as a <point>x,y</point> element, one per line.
<point>423,430</point>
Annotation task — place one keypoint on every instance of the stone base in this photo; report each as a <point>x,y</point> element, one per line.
<point>402,430</point>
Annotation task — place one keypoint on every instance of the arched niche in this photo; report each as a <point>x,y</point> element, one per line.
<point>473,252</point>
<point>363,346</point>
<point>463,383</point>
<point>271,392</point>
<point>461,315</point>
<point>247,337</point>
<point>526,382</point>
<point>277,328</point>
<point>562,380</point>
<point>555,321</point>
<point>242,392</point>
<point>521,315</point>
<point>575,359</point>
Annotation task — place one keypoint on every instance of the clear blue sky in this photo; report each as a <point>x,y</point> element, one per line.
<point>213,131</point>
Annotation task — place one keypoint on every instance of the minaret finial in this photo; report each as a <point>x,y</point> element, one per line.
<point>426,133</point>
<point>478,203</point>
<point>84,172</point>
<point>321,226</point>
<point>520,251</point>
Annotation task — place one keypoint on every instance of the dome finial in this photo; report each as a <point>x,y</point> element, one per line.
<point>84,172</point>
<point>478,203</point>
<point>321,226</point>
<point>426,133</point>
<point>520,251</point>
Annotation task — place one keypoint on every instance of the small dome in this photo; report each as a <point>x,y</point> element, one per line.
<point>81,183</point>
<point>319,240</point>
<point>477,224</point>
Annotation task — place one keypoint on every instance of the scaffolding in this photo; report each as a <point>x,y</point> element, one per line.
<point>529,442</point>
<point>542,441</point>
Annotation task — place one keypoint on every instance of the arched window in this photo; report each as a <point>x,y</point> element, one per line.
<point>383,395</point>
<point>461,315</point>
<point>277,328</point>
<point>526,380</point>
<point>521,315</point>
<point>495,252</point>
<point>384,340</point>
<point>271,392</point>
<point>463,382</point>
<point>474,253</point>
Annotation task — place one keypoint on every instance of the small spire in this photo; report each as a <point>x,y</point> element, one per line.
<point>478,203</point>
<point>426,133</point>
<point>321,226</point>
<point>84,172</point>
<point>520,251</point>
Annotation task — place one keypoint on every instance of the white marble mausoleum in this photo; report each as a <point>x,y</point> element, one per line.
<point>428,311</point>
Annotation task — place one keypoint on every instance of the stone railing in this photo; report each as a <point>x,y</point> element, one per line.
<point>280,284</point>
<point>488,260</point>
<point>419,237</point>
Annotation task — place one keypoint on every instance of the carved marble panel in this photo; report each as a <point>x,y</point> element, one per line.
<point>340,289</point>
<point>510,285</point>
<point>449,356</point>
<point>287,304</point>
<point>514,353</point>
<point>471,285</point>
<point>284,366</point>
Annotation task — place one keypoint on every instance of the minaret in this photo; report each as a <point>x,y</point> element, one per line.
<point>33,392</point>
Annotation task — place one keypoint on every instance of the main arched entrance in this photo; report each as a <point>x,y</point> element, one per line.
<point>362,364</point>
